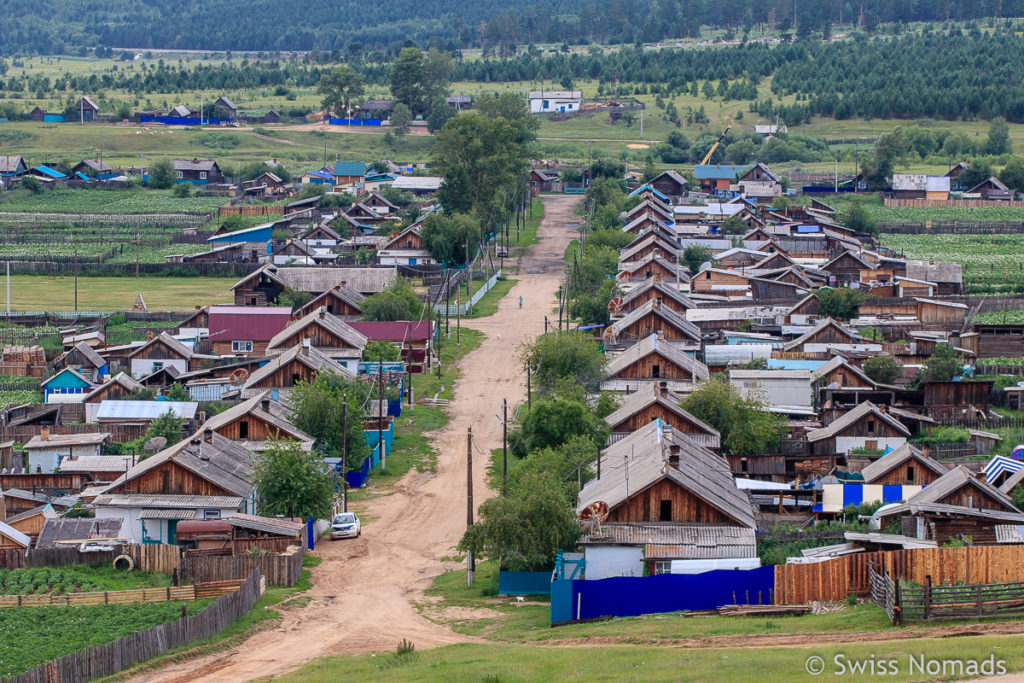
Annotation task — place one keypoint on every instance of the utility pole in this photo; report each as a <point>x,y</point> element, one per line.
<point>382,411</point>
<point>469,271</point>
<point>470,560</point>
<point>136,256</point>
<point>504,443</point>
<point>8,289</point>
<point>76,282</point>
<point>599,463</point>
<point>529,399</point>
<point>458,318</point>
<point>344,454</point>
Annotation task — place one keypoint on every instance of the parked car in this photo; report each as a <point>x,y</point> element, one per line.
<point>345,525</point>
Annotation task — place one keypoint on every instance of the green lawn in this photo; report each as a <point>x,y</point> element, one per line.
<point>138,200</point>
<point>488,305</point>
<point>40,293</point>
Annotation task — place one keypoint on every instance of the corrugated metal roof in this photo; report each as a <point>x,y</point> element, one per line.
<point>145,410</point>
<point>718,172</point>
<point>61,440</point>
<point>399,331</point>
<point>422,183</point>
<point>673,541</point>
<point>270,525</point>
<point>18,537</point>
<point>167,513</point>
<point>1009,533</point>
<point>76,529</point>
<point>249,323</point>
<point>97,463</point>
<point>144,500</point>
<point>349,168</point>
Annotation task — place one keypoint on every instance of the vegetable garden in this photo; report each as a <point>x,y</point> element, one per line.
<point>77,579</point>
<point>992,264</point>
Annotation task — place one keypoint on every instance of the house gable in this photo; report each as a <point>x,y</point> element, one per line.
<point>667,495</point>
<point>169,478</point>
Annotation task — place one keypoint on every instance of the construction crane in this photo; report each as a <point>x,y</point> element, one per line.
<point>707,157</point>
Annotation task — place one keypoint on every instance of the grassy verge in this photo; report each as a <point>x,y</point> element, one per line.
<point>528,234</point>
<point>261,616</point>
<point>38,293</point>
<point>496,663</point>
<point>411,449</point>
<point>488,305</point>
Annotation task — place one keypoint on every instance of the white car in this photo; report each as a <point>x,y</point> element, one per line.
<point>345,525</point>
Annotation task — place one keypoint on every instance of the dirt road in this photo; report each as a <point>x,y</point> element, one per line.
<point>364,593</point>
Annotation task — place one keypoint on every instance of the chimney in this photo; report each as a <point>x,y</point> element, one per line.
<point>663,388</point>
<point>44,434</point>
<point>657,304</point>
<point>149,335</point>
<point>982,477</point>
<point>306,344</point>
<point>195,160</point>
<point>265,404</point>
<point>208,435</point>
<point>883,408</point>
<point>925,451</point>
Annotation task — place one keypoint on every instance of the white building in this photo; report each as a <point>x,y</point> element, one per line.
<point>46,450</point>
<point>545,101</point>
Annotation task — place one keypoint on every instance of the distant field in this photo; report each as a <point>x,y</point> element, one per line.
<point>915,214</point>
<point>992,264</point>
<point>38,293</point>
<point>108,201</point>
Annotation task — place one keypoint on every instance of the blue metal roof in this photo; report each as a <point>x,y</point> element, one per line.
<point>808,228</point>
<point>46,170</point>
<point>717,172</point>
<point>349,168</point>
<point>82,176</point>
<point>648,187</point>
<point>259,233</point>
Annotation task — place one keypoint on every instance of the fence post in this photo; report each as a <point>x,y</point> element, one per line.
<point>979,599</point>
<point>897,609</point>
<point>927,597</point>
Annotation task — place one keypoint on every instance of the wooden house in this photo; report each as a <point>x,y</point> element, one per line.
<point>920,186</point>
<point>207,476</point>
<point>943,315</point>
<point>412,338</point>
<point>652,208</point>
<point>865,428</point>
<point>364,215</point>
<point>119,387</point>
<point>157,353</point>
<point>670,184</point>
<point>669,501</point>
<point>256,421</point>
<point>654,401</point>
<point>646,222</point>
<point>648,246</point>
<point>959,505</point>
<point>992,189</point>
<point>997,340</point>
<point>86,109</point>
<point>663,234</point>
<point>947,276</point>
<point>31,522</point>
<point>301,363</point>
<point>652,361</point>
<point>348,172</point>
<point>266,184</point>
<point>265,284</point>
<point>84,359</point>
<point>956,399</point>
<point>93,168</point>
<point>244,330</point>
<point>197,172</point>
<point>825,334</point>
<point>45,451</point>
<point>66,386</point>
<point>654,289</point>
<point>804,312</point>
<point>379,203</point>
<point>409,238</point>
<point>540,181</point>
<point>328,334</point>
<point>905,465</point>
<point>300,252</point>
<point>846,268</point>
<point>720,281</point>
<point>340,301</point>
<point>321,236</point>
<point>654,317</point>
<point>716,177</point>
<point>654,264</point>
<point>12,539</point>
<point>760,182</point>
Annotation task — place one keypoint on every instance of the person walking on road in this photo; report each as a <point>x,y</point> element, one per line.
<point>520,302</point>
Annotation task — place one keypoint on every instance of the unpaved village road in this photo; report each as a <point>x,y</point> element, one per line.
<point>364,593</point>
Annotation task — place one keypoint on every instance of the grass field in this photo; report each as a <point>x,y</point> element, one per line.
<point>872,203</point>
<point>40,293</point>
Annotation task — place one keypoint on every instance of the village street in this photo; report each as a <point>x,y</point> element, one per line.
<point>364,594</point>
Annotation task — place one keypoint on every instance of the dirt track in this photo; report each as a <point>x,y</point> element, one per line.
<point>364,592</point>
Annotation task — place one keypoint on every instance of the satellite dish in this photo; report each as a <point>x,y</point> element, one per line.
<point>238,377</point>
<point>608,334</point>
<point>615,305</point>
<point>157,443</point>
<point>592,516</point>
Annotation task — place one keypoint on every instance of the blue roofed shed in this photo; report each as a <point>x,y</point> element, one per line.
<point>349,171</point>
<point>67,386</point>
<point>260,233</point>
<point>47,172</point>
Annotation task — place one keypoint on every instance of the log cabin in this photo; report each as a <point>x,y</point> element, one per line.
<point>255,422</point>
<point>826,334</point>
<point>651,360</point>
<point>410,238</point>
<point>328,334</point>
<point>340,301</point>
<point>159,352</point>
<point>650,245</point>
<point>670,184</point>
<point>655,289</point>
<point>652,402</point>
<point>301,363</point>
<point>655,263</point>
<point>903,466</point>
<point>959,505</point>
<point>264,285</point>
<point>651,207</point>
<point>866,428</point>
<point>646,222</point>
<point>119,387</point>
<point>654,317</point>
<point>244,330</point>
<point>663,234</point>
<point>663,493</point>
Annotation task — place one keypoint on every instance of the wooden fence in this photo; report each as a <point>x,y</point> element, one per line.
<point>279,570</point>
<point>134,220</point>
<point>961,203</point>
<point>952,227</point>
<point>929,602</point>
<point>190,593</point>
<point>147,558</point>
<point>107,659</point>
<point>835,579</point>
<point>255,210</point>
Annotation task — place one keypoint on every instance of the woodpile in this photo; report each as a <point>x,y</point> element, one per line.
<point>17,353</point>
<point>763,610</point>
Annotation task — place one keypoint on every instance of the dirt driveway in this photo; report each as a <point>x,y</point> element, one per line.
<point>364,593</point>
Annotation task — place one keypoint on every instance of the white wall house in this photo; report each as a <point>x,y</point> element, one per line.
<point>545,101</point>
<point>154,518</point>
<point>46,451</point>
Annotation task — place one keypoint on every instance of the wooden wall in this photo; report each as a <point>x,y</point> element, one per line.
<point>223,348</point>
<point>287,376</point>
<point>650,324</point>
<point>317,335</point>
<point>170,479</point>
<point>653,293</point>
<point>645,506</point>
<point>644,417</point>
<point>870,427</point>
<point>644,369</point>
<point>900,475</point>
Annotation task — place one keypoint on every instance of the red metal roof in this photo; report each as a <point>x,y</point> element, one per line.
<point>247,323</point>
<point>393,331</point>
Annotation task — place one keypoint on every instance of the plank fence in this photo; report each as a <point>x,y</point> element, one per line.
<point>190,593</point>
<point>255,210</point>
<point>278,570</point>
<point>961,203</point>
<point>929,602</point>
<point>836,578</point>
<point>107,659</point>
<point>952,227</point>
<point>148,558</point>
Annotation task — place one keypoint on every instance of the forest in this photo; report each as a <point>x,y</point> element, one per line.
<point>345,26</point>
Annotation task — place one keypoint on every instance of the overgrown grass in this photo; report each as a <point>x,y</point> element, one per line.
<point>488,305</point>
<point>40,293</point>
<point>411,449</point>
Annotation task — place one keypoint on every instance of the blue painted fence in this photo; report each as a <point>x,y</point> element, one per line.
<point>183,120</point>
<point>524,583</point>
<point>53,118</point>
<point>630,596</point>
<point>355,122</point>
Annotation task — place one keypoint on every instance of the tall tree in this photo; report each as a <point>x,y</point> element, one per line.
<point>513,109</point>
<point>408,80</point>
<point>447,237</point>
<point>316,409</point>
<point>745,424</point>
<point>998,141</point>
<point>293,482</point>
<point>340,86</point>
<point>401,117</point>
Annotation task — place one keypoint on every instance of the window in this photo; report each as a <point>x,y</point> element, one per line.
<point>665,513</point>
<point>656,371</point>
<point>241,347</point>
<point>243,429</point>
<point>910,473</point>
<point>871,426</point>
<point>663,567</point>
<point>202,175</point>
<point>707,275</point>
<point>158,365</point>
<point>211,514</point>
<point>181,175</point>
